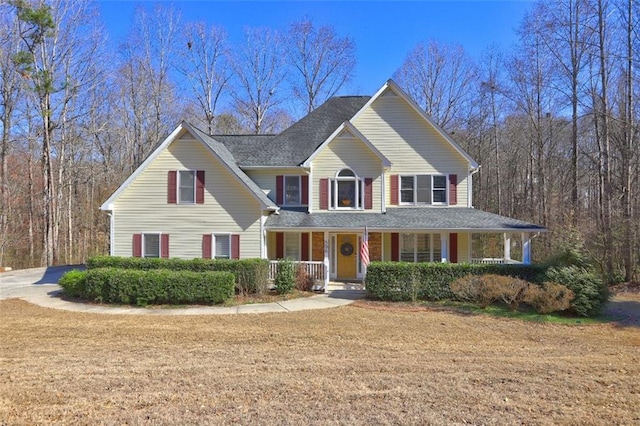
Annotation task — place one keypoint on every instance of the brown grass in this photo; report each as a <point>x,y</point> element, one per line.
<point>351,365</point>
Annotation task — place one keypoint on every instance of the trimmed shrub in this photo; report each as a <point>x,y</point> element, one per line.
<point>73,283</point>
<point>548,298</point>
<point>251,275</point>
<point>487,289</point>
<point>591,294</point>
<point>285,279</point>
<point>158,286</point>
<point>398,280</point>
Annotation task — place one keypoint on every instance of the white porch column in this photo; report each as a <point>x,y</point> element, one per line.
<point>444,244</point>
<point>526,248</point>
<point>507,247</point>
<point>327,272</point>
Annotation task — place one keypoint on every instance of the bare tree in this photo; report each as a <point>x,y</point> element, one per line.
<point>259,71</point>
<point>322,61</point>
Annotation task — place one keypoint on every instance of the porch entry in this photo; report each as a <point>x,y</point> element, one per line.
<point>346,256</point>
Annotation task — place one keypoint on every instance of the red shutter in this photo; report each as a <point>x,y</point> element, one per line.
<point>453,190</point>
<point>172,187</point>
<point>207,240</point>
<point>304,246</point>
<point>235,246</point>
<point>279,245</point>
<point>368,193</point>
<point>453,247</point>
<point>304,182</point>
<point>395,247</point>
<point>164,245</point>
<point>137,245</point>
<point>394,189</point>
<point>279,190</point>
<point>324,194</point>
<point>200,187</point>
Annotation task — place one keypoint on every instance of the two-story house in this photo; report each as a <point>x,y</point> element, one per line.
<point>308,193</point>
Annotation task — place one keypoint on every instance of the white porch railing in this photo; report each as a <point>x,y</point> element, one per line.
<point>493,260</point>
<point>315,270</point>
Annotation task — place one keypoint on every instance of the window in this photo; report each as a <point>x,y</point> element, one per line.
<point>346,191</point>
<point>420,248</point>
<point>439,189</point>
<point>292,190</point>
<point>292,246</point>
<point>423,189</point>
<point>222,246</point>
<point>151,245</point>
<point>187,186</point>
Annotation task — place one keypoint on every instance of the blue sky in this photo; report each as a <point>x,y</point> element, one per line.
<point>384,31</point>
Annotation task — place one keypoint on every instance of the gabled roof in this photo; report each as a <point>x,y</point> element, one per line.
<point>216,148</point>
<point>293,146</point>
<point>391,85</point>
<point>347,126</point>
<point>433,219</point>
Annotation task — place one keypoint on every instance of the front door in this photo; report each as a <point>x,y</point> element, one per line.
<point>347,253</point>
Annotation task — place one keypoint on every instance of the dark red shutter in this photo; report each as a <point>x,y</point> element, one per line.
<point>394,189</point>
<point>395,247</point>
<point>324,194</point>
<point>172,187</point>
<point>235,246</point>
<point>164,245</point>
<point>304,182</point>
<point>280,190</point>
<point>279,245</point>
<point>206,246</point>
<point>304,246</point>
<point>137,245</point>
<point>368,193</point>
<point>453,190</point>
<point>453,247</point>
<point>200,187</point>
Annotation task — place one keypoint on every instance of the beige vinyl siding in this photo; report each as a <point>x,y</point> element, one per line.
<point>228,206</point>
<point>266,179</point>
<point>347,152</point>
<point>463,247</point>
<point>410,143</point>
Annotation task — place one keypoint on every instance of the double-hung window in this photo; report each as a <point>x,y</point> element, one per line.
<point>151,245</point>
<point>292,246</point>
<point>187,186</point>
<point>222,246</point>
<point>423,189</point>
<point>420,248</point>
<point>292,190</point>
<point>346,191</point>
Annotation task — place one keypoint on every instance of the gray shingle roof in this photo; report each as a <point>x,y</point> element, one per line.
<point>418,218</point>
<point>293,146</point>
<point>226,157</point>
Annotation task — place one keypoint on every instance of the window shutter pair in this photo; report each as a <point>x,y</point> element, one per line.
<point>324,194</point>
<point>304,190</point>
<point>453,190</point>
<point>137,245</point>
<point>207,242</point>
<point>172,187</point>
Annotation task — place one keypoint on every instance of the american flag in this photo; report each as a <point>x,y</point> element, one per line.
<point>364,248</point>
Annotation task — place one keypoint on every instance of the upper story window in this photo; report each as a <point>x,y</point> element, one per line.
<point>292,191</point>
<point>423,189</point>
<point>187,186</point>
<point>346,191</point>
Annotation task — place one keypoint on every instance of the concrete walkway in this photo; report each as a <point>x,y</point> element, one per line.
<point>39,286</point>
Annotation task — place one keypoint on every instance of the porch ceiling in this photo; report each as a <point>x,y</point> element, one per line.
<point>405,218</point>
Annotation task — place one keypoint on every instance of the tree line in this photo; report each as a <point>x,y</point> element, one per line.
<point>553,120</point>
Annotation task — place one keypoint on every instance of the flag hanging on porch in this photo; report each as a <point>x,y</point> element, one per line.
<point>364,248</point>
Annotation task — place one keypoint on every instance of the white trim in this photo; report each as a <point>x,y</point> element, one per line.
<point>391,85</point>
<point>351,129</point>
<point>444,247</point>
<point>310,192</point>
<point>383,193</point>
<point>446,190</point>
<point>359,187</point>
<point>263,237</point>
<point>112,234</point>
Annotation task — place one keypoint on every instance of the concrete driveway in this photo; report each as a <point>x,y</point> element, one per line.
<point>24,283</point>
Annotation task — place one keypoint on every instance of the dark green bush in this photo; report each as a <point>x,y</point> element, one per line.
<point>285,279</point>
<point>73,283</point>
<point>432,281</point>
<point>251,275</point>
<point>590,293</point>
<point>157,286</point>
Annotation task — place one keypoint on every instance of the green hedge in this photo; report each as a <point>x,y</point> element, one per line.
<point>591,294</point>
<point>158,286</point>
<point>73,283</point>
<point>251,275</point>
<point>401,281</point>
